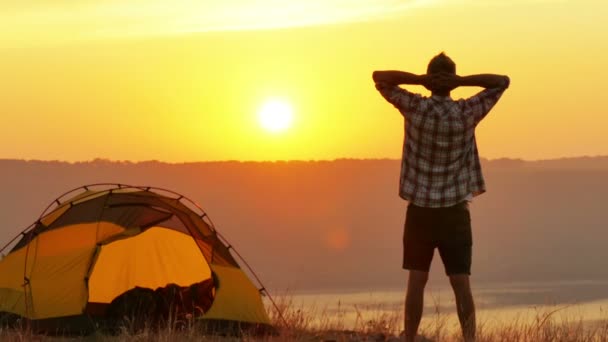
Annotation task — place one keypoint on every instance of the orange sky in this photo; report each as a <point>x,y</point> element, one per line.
<point>184,80</point>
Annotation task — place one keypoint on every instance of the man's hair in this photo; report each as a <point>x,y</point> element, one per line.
<point>441,63</point>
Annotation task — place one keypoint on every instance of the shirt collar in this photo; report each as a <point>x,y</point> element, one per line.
<point>441,98</point>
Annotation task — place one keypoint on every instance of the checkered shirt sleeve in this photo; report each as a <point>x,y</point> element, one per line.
<point>402,99</point>
<point>480,104</point>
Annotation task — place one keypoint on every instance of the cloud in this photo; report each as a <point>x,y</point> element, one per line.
<point>68,20</point>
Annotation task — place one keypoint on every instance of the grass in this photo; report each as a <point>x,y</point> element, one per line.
<point>374,323</point>
<point>371,323</point>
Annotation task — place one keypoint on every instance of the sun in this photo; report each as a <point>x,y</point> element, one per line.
<point>276,115</point>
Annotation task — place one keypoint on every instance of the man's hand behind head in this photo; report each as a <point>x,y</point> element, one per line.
<point>441,82</point>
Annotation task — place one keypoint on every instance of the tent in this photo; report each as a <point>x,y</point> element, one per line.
<point>98,242</point>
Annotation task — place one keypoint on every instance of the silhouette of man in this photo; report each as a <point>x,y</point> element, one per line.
<point>440,174</point>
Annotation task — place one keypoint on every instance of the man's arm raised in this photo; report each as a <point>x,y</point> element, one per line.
<point>395,78</point>
<point>479,105</point>
<point>387,83</point>
<point>484,81</point>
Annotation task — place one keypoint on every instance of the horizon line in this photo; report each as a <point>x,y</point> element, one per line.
<point>143,161</point>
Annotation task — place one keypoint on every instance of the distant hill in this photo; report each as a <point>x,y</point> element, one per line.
<point>338,224</point>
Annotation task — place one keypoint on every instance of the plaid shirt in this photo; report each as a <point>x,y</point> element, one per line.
<point>440,165</point>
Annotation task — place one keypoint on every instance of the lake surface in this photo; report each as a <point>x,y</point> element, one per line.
<point>498,304</point>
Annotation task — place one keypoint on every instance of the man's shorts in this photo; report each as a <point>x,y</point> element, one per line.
<point>447,229</point>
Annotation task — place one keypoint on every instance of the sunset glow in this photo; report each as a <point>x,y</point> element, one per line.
<point>227,153</point>
<point>185,81</point>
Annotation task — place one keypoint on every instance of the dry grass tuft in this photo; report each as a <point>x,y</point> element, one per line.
<point>371,323</point>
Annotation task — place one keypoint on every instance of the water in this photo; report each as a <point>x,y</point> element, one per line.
<point>498,304</point>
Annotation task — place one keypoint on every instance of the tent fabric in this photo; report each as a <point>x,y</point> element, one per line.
<point>151,259</point>
<point>236,297</point>
<point>51,264</point>
<point>100,244</point>
<point>135,209</point>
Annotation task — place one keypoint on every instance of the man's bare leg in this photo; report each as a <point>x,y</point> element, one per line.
<point>464,305</point>
<point>414,302</point>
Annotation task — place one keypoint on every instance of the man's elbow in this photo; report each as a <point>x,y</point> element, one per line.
<point>499,82</point>
<point>506,82</point>
<point>377,76</point>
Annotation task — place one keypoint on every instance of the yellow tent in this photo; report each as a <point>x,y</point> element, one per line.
<point>104,240</point>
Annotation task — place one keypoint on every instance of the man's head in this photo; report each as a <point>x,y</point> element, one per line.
<point>441,63</point>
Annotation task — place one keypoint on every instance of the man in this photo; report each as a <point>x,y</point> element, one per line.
<point>440,173</point>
